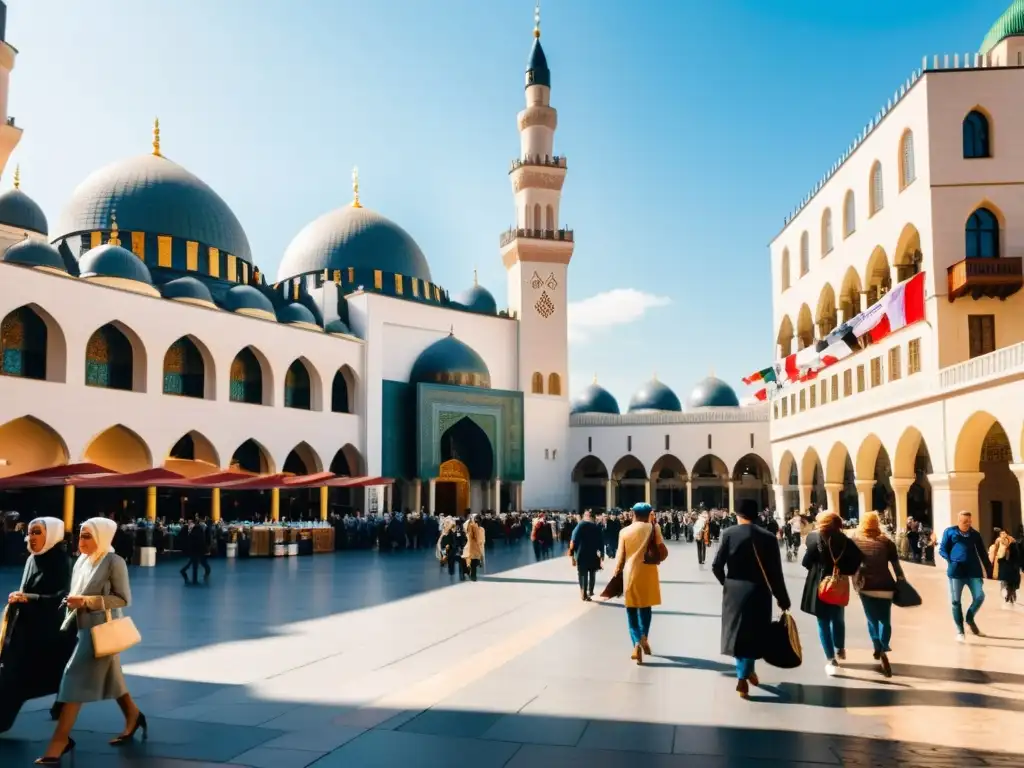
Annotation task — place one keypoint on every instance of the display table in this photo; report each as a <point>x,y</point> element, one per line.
<point>323,540</point>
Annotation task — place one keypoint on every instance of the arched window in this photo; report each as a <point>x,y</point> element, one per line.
<point>907,172</point>
<point>23,345</point>
<point>982,233</point>
<point>876,200</point>
<point>296,387</point>
<point>538,383</point>
<point>551,217</point>
<point>108,359</point>
<point>555,384</point>
<point>341,397</point>
<point>976,135</point>
<point>184,371</point>
<point>785,269</point>
<point>849,214</point>
<point>246,378</point>
<point>826,232</point>
<point>805,253</point>
<point>538,221</point>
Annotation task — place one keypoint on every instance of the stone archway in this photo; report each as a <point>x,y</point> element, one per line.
<point>119,449</point>
<point>192,455</point>
<point>999,499</point>
<point>630,480</point>
<point>709,480</point>
<point>467,442</point>
<point>752,479</point>
<point>590,476</point>
<point>28,444</point>
<point>670,480</point>
<point>252,457</point>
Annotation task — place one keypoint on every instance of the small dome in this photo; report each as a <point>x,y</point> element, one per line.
<point>297,314</point>
<point>34,253</point>
<point>337,327</point>
<point>478,299</point>
<point>22,212</point>
<point>189,290</point>
<point>111,264</point>
<point>449,361</point>
<point>654,396</point>
<point>247,300</point>
<point>712,393</point>
<point>1010,24</point>
<point>595,399</point>
<point>353,237</point>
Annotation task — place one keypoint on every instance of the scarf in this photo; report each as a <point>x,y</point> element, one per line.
<point>54,534</point>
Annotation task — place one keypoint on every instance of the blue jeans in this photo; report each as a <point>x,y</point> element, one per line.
<point>956,591</point>
<point>744,669</point>
<point>639,623</point>
<point>831,628</point>
<point>878,611</point>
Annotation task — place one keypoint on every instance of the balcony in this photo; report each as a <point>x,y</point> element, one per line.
<point>560,235</point>
<point>992,278</point>
<point>538,161</point>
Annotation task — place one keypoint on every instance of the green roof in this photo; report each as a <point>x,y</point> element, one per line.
<point>1010,24</point>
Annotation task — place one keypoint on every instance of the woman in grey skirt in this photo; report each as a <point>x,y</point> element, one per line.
<point>99,583</point>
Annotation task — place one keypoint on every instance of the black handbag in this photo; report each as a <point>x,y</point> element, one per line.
<point>905,596</point>
<point>782,646</point>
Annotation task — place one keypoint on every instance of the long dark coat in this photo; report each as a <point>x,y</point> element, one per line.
<point>747,596</point>
<point>34,650</point>
<point>819,564</point>
<point>587,545</point>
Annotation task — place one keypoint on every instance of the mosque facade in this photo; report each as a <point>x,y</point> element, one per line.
<point>140,332</point>
<point>929,421</point>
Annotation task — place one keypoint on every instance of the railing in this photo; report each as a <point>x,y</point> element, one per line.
<point>984,272</point>
<point>994,365</point>
<point>750,413</point>
<point>547,162</point>
<point>564,235</point>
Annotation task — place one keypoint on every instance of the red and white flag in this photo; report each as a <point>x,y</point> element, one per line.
<point>902,306</point>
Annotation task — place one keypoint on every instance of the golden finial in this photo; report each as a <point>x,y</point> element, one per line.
<point>595,378</point>
<point>114,239</point>
<point>17,176</point>
<point>451,330</point>
<point>355,188</point>
<point>536,20</point>
<point>475,280</point>
<point>156,137</point>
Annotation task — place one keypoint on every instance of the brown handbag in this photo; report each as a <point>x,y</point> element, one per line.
<point>653,554</point>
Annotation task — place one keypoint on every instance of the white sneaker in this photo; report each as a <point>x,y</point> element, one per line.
<point>960,638</point>
<point>831,669</point>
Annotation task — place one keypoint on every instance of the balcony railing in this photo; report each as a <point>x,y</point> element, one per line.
<point>546,161</point>
<point>994,365</point>
<point>993,278</point>
<point>563,235</point>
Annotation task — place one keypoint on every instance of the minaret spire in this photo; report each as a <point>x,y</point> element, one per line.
<point>17,176</point>
<point>115,238</point>
<point>536,20</point>
<point>156,137</point>
<point>355,188</point>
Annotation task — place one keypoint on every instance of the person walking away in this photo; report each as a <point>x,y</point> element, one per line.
<point>587,552</point>
<point>34,650</point>
<point>447,547</point>
<point>536,537</point>
<point>197,550</point>
<point>1005,557</point>
<point>473,553</point>
<point>967,565</point>
<point>749,568</point>
<point>641,584</point>
<point>702,533</point>
<point>829,553</point>
<point>99,583</point>
<point>877,584</point>
<point>613,526</point>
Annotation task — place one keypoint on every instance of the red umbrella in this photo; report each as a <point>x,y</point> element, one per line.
<point>143,479</point>
<point>306,481</point>
<point>65,474</point>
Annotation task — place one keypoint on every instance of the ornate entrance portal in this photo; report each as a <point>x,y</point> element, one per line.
<point>452,492</point>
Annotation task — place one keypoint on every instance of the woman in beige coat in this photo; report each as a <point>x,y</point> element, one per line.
<point>473,552</point>
<point>641,584</point>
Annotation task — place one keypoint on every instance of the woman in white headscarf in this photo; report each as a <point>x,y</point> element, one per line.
<point>99,584</point>
<point>447,545</point>
<point>33,650</point>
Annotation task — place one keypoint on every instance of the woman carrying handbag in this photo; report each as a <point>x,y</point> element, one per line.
<point>99,590</point>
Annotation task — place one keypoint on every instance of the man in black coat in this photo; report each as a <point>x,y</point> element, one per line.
<point>587,551</point>
<point>197,549</point>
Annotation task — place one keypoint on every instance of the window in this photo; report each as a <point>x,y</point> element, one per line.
<point>876,198</point>
<point>537,385</point>
<point>824,392</point>
<point>849,214</point>
<point>785,408</point>
<point>666,442</point>
<point>835,387</point>
<point>399,287</point>
<point>785,268</point>
<point>982,235</point>
<point>709,442</point>
<point>751,441</point>
<point>907,172</point>
<point>803,400</point>
<point>826,232</point>
<point>775,410</point>
<point>805,253</point>
<point>813,396</point>
<point>590,445</point>
<point>629,442</point>
<point>895,364</point>
<point>876,372</point>
<point>551,217</point>
<point>163,251</point>
<point>914,357</point>
<point>555,384</point>
<point>976,139</point>
<point>792,403</point>
<point>847,383</point>
<point>981,331</point>
<point>860,378</point>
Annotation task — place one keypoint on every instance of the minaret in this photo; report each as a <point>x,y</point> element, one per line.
<point>536,252</point>
<point>9,134</point>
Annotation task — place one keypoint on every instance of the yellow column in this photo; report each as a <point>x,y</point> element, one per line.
<point>805,498</point>
<point>832,491</point>
<point>732,496</point>
<point>215,505</point>
<point>69,508</point>
<point>864,489</point>
<point>151,503</point>
<point>324,496</point>
<point>275,504</point>
<point>900,487</point>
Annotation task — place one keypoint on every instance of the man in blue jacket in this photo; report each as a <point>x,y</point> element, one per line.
<point>587,551</point>
<point>964,551</point>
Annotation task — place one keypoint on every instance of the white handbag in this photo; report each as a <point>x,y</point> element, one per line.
<point>114,636</point>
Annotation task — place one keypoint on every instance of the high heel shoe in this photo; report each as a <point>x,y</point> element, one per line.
<point>56,760</point>
<point>140,722</point>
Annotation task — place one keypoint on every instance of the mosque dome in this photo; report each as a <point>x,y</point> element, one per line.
<point>247,300</point>
<point>110,264</point>
<point>337,327</point>
<point>478,299</point>
<point>450,361</point>
<point>188,290</point>
<point>595,399</point>
<point>34,253</point>
<point>151,194</point>
<point>297,314</point>
<point>1010,24</point>
<point>353,237</point>
<point>654,396</point>
<point>712,393</point>
<point>20,211</point>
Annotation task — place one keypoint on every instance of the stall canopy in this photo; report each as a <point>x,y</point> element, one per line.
<point>65,474</point>
<point>142,479</point>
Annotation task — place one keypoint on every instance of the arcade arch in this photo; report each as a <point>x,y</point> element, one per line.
<point>252,457</point>
<point>826,316</point>
<point>192,455</point>
<point>590,477</point>
<point>785,337</point>
<point>28,444</point>
<point>752,479</point>
<point>630,477</point>
<point>119,449</point>
<point>709,480</point>
<point>669,477</point>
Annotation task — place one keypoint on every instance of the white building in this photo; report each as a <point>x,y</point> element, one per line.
<point>140,333</point>
<point>930,420</point>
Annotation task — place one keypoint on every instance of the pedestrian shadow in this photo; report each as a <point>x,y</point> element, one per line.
<point>658,612</point>
<point>831,697</point>
<point>687,662</point>
<point>511,580</point>
<point>947,674</point>
<point>670,581</point>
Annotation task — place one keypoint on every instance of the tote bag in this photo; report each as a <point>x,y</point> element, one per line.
<point>114,636</point>
<point>782,646</point>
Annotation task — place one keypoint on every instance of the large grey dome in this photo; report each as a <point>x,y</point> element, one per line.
<point>154,195</point>
<point>353,237</point>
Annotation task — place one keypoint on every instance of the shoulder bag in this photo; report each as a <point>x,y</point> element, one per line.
<point>834,589</point>
<point>782,647</point>
<point>114,636</point>
<point>652,552</point>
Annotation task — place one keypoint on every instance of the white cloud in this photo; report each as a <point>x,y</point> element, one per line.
<point>620,306</point>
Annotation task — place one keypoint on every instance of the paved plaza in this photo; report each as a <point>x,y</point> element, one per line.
<point>358,659</point>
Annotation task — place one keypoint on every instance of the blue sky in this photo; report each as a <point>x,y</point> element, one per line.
<point>691,130</point>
